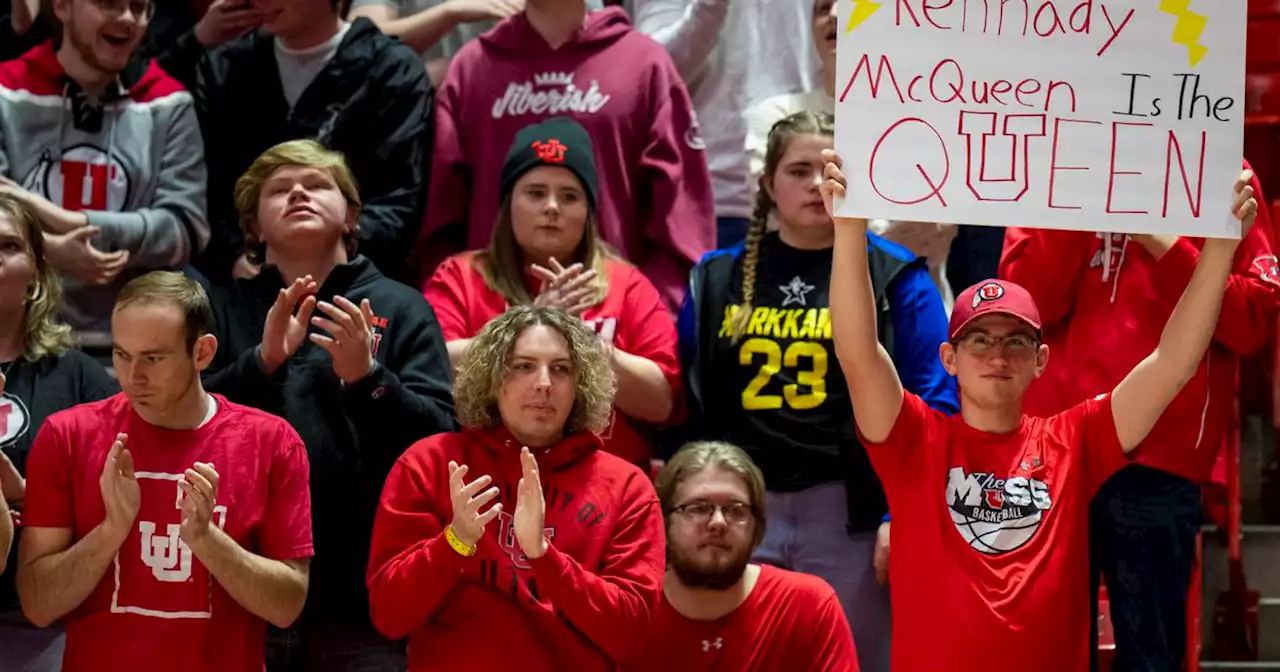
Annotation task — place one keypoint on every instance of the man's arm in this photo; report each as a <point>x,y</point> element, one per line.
<point>274,590</point>
<point>409,554</point>
<point>55,576</point>
<point>1251,300</point>
<point>688,30</point>
<point>172,228</point>
<point>874,387</point>
<point>611,605</point>
<point>420,30</point>
<point>6,534</point>
<point>1141,398</point>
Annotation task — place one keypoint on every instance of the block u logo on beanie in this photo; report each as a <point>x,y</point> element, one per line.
<point>551,151</point>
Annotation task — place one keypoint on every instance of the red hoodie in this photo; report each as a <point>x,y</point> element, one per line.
<point>1105,302</point>
<point>577,608</point>
<point>655,202</point>
<point>631,318</point>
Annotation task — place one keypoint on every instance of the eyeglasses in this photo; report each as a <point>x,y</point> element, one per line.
<point>138,8</point>
<point>979,343</point>
<point>735,513</point>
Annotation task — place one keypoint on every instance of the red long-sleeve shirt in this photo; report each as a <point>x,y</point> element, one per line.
<point>578,607</point>
<point>1105,301</point>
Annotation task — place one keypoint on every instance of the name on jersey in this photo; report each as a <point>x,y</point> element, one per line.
<point>782,323</point>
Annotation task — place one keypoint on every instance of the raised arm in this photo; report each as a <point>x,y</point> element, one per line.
<point>689,31</point>
<point>1141,398</point>
<point>874,387</point>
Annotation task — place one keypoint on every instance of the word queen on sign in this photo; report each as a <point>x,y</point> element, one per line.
<point>1102,115</point>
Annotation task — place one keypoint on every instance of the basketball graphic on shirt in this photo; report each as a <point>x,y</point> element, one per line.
<point>996,514</point>
<point>155,573</point>
<point>15,420</point>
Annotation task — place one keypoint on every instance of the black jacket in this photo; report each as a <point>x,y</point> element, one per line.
<point>355,433</point>
<point>33,392</point>
<point>372,102</point>
<point>901,285</point>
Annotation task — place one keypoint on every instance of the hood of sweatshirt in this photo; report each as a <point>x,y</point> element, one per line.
<point>504,449</point>
<point>517,36</point>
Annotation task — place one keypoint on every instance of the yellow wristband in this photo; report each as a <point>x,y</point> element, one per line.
<point>457,544</point>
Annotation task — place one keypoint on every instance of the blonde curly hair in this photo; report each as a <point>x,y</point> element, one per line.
<point>486,367</point>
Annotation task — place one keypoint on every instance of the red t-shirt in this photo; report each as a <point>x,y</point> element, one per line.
<point>790,621</point>
<point>157,606</point>
<point>990,536</point>
<point>632,317</point>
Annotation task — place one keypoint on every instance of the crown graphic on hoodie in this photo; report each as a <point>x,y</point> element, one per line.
<point>553,79</point>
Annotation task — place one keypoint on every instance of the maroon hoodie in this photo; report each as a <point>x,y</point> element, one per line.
<point>655,202</point>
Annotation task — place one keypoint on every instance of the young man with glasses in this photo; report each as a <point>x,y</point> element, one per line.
<point>1105,299</point>
<point>991,506</point>
<point>719,611</point>
<point>105,148</point>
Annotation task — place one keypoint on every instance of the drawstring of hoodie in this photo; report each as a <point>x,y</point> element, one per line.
<point>1107,275</point>
<point>68,108</point>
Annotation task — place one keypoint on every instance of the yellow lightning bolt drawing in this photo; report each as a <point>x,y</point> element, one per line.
<point>862,10</point>
<point>1188,28</point>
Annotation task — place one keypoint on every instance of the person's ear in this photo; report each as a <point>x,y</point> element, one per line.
<point>1042,359</point>
<point>205,348</point>
<point>947,353</point>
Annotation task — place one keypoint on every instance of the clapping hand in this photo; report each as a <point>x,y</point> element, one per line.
<point>284,330</point>
<point>350,339</point>
<point>569,289</point>
<point>121,495</point>
<point>200,495</point>
<point>468,522</point>
<point>531,509</point>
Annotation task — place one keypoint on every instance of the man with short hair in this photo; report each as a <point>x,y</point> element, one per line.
<point>720,612</point>
<point>311,74</point>
<point>355,361</point>
<point>991,506</point>
<point>105,147</point>
<point>518,542</point>
<point>165,523</point>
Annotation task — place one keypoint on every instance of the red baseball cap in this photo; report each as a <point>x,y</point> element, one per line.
<point>999,297</point>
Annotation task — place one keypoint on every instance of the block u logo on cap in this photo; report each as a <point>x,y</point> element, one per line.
<point>551,151</point>
<point>988,292</point>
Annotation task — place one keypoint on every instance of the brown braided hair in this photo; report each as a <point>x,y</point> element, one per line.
<point>780,136</point>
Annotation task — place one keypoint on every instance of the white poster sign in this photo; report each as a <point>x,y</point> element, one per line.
<point>1098,115</point>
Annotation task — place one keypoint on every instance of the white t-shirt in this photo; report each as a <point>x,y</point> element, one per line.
<point>298,68</point>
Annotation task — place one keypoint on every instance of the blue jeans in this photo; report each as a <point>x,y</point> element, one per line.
<point>1142,538</point>
<point>807,532</point>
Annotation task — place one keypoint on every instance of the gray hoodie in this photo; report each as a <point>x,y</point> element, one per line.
<point>133,163</point>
